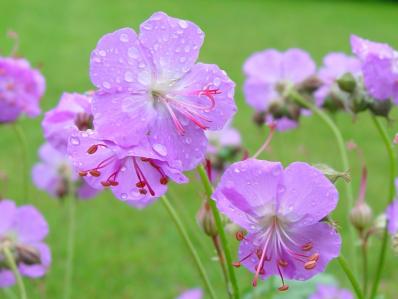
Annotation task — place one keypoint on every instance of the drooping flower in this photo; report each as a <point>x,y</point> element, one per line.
<point>282,211</point>
<point>335,65</point>
<point>270,77</point>
<point>149,86</point>
<point>137,175</point>
<point>191,294</point>
<point>72,112</point>
<point>379,67</point>
<point>22,231</point>
<point>54,174</point>
<point>21,88</point>
<point>331,292</point>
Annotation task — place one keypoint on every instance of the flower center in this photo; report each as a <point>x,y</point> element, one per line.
<point>273,244</point>
<point>84,121</point>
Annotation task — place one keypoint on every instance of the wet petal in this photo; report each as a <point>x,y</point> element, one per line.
<point>7,214</point>
<point>297,65</point>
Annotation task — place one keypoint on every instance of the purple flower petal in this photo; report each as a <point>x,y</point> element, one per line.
<point>173,44</point>
<point>296,66</point>
<point>8,210</point>
<point>7,278</point>
<point>328,291</point>
<point>38,270</point>
<point>392,217</point>
<point>192,294</point>
<point>308,196</point>
<point>29,225</point>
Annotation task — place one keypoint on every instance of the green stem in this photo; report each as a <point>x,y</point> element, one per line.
<point>344,159</point>
<point>221,258</point>
<point>220,228</point>
<point>11,262</point>
<point>365,268</point>
<point>70,246</point>
<point>24,159</point>
<point>177,221</point>
<point>391,194</point>
<point>350,276</point>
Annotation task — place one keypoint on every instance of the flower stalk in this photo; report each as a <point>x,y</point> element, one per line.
<point>71,205</point>
<point>181,229</point>
<point>392,159</point>
<point>14,268</point>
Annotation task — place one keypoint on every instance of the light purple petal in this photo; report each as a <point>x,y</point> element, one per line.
<point>174,45</point>
<point>308,196</point>
<point>248,189</point>
<point>363,48</point>
<point>119,64</point>
<point>123,117</point>
<point>7,214</point>
<point>259,94</point>
<point>182,152</point>
<point>46,178</point>
<point>329,291</point>
<point>296,66</point>
<point>392,217</point>
<point>192,88</point>
<point>192,294</point>
<point>265,65</point>
<point>282,124</point>
<point>29,225</point>
<point>85,191</point>
<point>7,278</point>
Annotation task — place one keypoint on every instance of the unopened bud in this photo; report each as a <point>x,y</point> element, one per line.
<point>379,225</point>
<point>259,118</point>
<point>310,84</point>
<point>381,108</point>
<point>206,220</point>
<point>332,174</point>
<point>27,255</point>
<point>361,216</point>
<point>347,82</point>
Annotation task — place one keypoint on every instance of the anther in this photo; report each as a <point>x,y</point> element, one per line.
<point>140,184</point>
<point>82,173</point>
<point>236,264</point>
<point>92,149</point>
<point>306,247</point>
<point>95,173</point>
<point>314,257</point>
<point>282,263</point>
<point>105,184</point>
<point>164,180</point>
<point>283,288</point>
<point>114,183</point>
<point>142,191</point>
<point>310,265</point>
<point>239,236</point>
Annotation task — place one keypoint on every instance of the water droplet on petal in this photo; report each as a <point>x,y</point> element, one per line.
<point>183,24</point>
<point>237,170</point>
<point>106,85</point>
<point>160,149</point>
<point>132,52</point>
<point>128,76</point>
<point>124,38</point>
<point>217,81</point>
<point>102,53</point>
<point>74,140</point>
<point>123,196</point>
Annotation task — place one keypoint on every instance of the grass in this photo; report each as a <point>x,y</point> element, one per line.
<point>126,253</point>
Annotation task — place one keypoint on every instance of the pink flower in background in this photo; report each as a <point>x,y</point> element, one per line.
<point>334,66</point>
<point>150,87</point>
<point>23,230</point>
<point>137,175</point>
<point>331,292</point>
<point>228,137</point>
<point>21,88</point>
<point>191,294</point>
<point>72,112</point>
<point>392,214</point>
<point>270,76</point>
<point>379,67</point>
<point>282,211</point>
<point>54,174</point>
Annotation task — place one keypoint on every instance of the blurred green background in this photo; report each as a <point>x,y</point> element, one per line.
<point>126,253</point>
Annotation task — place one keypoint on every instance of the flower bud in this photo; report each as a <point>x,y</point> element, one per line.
<point>332,174</point>
<point>361,216</point>
<point>381,108</point>
<point>259,118</point>
<point>206,220</point>
<point>347,83</point>
<point>28,255</point>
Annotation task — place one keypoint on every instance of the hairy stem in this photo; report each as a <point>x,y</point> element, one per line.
<point>220,228</point>
<point>24,160</point>
<point>365,267</point>
<point>392,158</point>
<point>181,229</point>
<point>14,268</point>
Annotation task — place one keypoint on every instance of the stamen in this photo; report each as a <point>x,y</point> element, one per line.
<point>310,265</point>
<point>82,173</point>
<point>142,179</point>
<point>314,257</point>
<point>239,236</point>
<point>283,288</point>
<point>282,263</point>
<point>95,173</point>
<point>307,247</point>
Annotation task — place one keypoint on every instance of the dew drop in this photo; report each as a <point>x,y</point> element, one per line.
<point>102,53</point>
<point>188,140</point>
<point>123,196</point>
<point>106,85</point>
<point>237,170</point>
<point>128,76</point>
<point>183,24</point>
<point>74,140</point>
<point>132,52</point>
<point>160,149</point>
<point>124,38</point>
